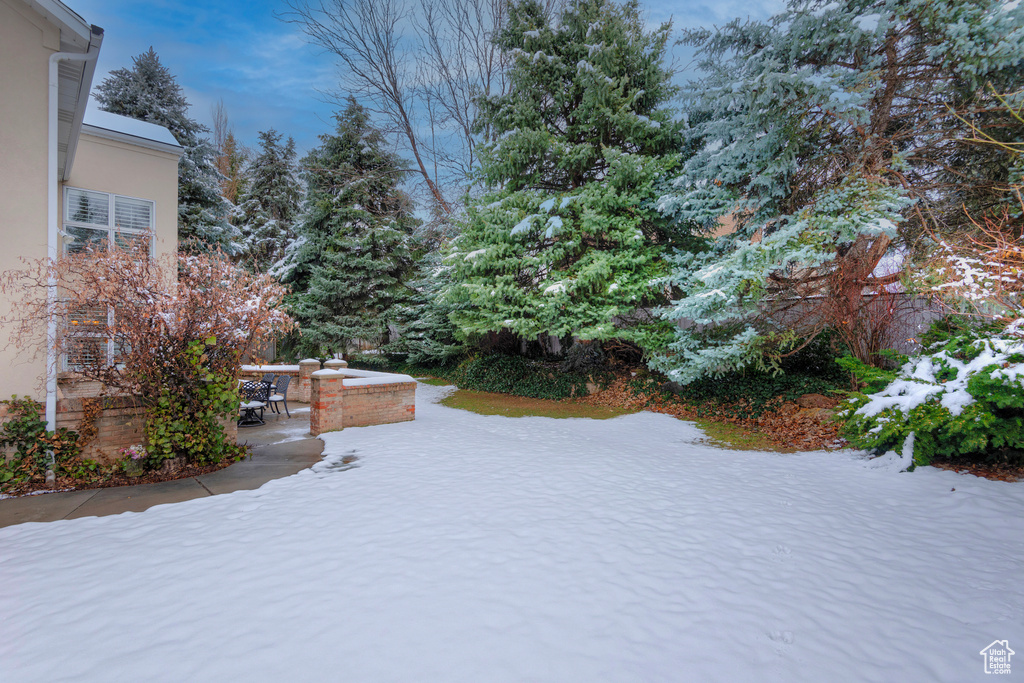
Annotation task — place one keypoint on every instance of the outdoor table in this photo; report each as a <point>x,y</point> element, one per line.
<point>254,400</point>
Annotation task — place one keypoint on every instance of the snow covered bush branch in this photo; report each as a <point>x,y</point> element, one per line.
<point>963,398</point>
<point>170,332</point>
<point>982,273</point>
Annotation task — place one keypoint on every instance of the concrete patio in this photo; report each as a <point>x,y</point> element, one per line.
<point>280,448</point>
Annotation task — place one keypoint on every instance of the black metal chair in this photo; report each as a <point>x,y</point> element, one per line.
<point>281,396</point>
<point>269,379</point>
<point>254,398</point>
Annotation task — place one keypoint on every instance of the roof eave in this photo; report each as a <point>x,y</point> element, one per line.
<point>75,32</point>
<point>82,101</point>
<point>118,136</point>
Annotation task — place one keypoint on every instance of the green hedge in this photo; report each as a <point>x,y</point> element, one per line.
<point>742,394</point>
<point>501,374</point>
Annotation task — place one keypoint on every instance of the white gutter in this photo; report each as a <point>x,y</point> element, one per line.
<point>52,213</point>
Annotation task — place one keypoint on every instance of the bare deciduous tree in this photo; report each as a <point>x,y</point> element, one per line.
<point>231,156</point>
<point>418,66</point>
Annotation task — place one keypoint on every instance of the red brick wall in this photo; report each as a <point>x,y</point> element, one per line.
<point>334,406</point>
<point>120,423</point>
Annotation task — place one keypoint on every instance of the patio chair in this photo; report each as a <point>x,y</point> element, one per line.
<point>269,379</point>
<point>254,398</point>
<point>281,396</point>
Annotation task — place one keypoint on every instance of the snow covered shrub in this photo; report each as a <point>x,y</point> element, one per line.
<point>171,332</point>
<point>866,377</point>
<point>965,397</point>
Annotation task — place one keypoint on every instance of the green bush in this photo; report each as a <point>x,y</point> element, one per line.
<point>522,377</point>
<point>818,359</point>
<point>187,420</point>
<point>500,373</point>
<point>745,394</point>
<point>868,377</point>
<point>25,436</point>
<point>965,397</point>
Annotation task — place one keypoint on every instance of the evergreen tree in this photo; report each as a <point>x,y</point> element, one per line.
<point>833,131</point>
<point>149,92</point>
<point>267,209</point>
<point>426,335</point>
<point>567,241</point>
<point>353,253</point>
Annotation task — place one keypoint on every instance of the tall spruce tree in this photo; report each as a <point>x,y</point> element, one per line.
<point>353,256</point>
<point>834,131</point>
<point>267,209</point>
<point>149,92</point>
<point>426,335</point>
<point>567,241</point>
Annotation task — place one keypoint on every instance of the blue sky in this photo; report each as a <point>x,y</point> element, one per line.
<point>263,68</point>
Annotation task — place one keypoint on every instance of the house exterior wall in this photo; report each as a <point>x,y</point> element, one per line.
<point>27,39</point>
<point>26,43</point>
<point>120,168</point>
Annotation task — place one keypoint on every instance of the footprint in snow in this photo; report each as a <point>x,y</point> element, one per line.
<point>781,641</point>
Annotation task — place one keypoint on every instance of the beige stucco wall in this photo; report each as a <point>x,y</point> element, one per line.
<point>133,171</point>
<point>26,42</point>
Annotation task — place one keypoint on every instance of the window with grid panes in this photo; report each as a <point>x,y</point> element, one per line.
<point>98,220</point>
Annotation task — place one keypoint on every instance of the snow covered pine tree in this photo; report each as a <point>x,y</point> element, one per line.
<point>149,92</point>
<point>349,266</point>
<point>567,241</point>
<point>831,133</point>
<point>268,207</point>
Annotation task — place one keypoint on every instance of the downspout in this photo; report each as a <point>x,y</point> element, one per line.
<point>52,213</point>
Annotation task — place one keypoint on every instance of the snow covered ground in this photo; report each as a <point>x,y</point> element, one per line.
<point>470,548</point>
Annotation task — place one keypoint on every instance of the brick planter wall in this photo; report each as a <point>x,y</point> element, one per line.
<point>119,424</point>
<point>359,398</point>
<point>299,388</point>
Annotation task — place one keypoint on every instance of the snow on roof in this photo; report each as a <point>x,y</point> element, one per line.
<point>97,118</point>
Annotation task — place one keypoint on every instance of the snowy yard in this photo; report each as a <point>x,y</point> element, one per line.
<point>478,549</point>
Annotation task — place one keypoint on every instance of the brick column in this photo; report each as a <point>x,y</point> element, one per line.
<point>302,391</point>
<point>325,402</point>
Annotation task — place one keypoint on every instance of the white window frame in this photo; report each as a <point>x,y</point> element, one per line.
<point>112,231</point>
<point>112,228</point>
